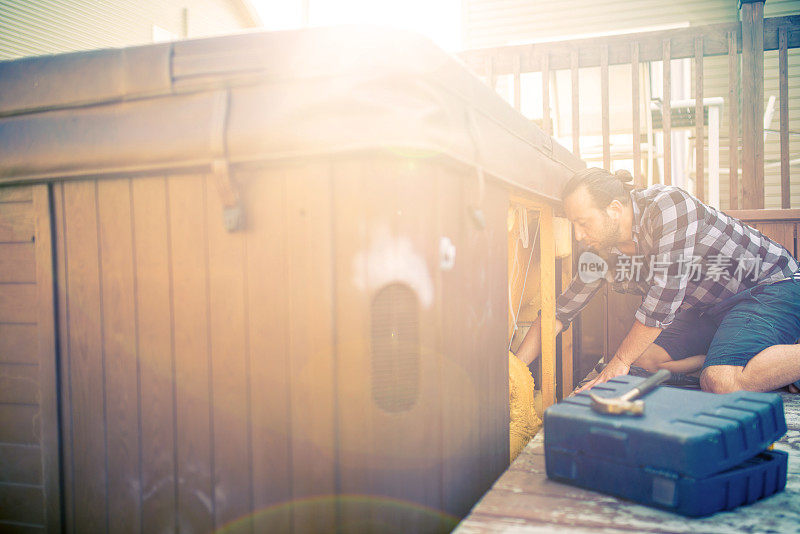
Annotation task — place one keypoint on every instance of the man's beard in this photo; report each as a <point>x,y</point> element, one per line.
<point>610,236</point>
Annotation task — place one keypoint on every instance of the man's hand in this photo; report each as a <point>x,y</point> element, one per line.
<point>638,339</point>
<point>614,368</point>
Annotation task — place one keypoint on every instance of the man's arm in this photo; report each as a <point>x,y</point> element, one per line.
<point>635,343</point>
<point>568,305</point>
<point>531,346</point>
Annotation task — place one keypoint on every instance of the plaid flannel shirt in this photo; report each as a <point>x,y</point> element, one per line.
<point>672,229</point>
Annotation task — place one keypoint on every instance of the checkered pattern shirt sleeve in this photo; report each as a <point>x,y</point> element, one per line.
<point>575,298</point>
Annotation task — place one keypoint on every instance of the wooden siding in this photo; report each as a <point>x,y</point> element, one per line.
<point>490,23</point>
<point>29,485</point>
<point>49,27</point>
<point>215,379</point>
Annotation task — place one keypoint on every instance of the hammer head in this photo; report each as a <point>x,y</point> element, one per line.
<point>616,406</point>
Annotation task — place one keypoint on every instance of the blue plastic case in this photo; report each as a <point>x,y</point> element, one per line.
<point>692,453</point>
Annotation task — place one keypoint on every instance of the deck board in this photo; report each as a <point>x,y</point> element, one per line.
<point>524,500</point>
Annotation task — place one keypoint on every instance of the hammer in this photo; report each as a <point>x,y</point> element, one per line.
<point>624,404</point>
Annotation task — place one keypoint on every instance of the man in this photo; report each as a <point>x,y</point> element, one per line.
<point>717,294</point>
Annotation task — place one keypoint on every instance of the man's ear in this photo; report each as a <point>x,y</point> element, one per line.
<point>615,209</point>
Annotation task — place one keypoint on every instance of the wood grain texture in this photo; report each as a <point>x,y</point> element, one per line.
<point>16,222</point>
<point>18,303</point>
<point>783,74</point>
<point>229,368</point>
<point>752,16</point>
<point>120,350</point>
<point>63,370</point>
<point>156,359</point>
<point>699,120</point>
<point>21,424</point>
<point>567,379</point>
<point>636,126</point>
<point>733,120</point>
<point>17,262</point>
<point>21,464</point>
<point>605,108</point>
<point>311,367</point>
<point>548,282</point>
<point>268,327</point>
<point>188,242</point>
<point>576,118</point>
<point>19,383</point>
<point>83,337</point>
<point>16,193</point>
<point>16,341</point>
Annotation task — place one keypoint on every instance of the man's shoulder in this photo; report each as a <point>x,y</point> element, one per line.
<point>665,194</point>
<point>667,203</point>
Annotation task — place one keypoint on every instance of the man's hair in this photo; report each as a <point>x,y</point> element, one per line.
<point>603,187</point>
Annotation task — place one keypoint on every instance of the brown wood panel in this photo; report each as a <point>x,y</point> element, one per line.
<point>19,383</point>
<point>636,129</point>
<point>566,337</point>
<point>46,351</point>
<point>229,367</point>
<point>21,424</point>
<point>783,73</point>
<point>493,378</point>
<point>17,262</point>
<point>752,15</point>
<point>576,118</point>
<point>20,464</point>
<point>156,359</point>
<point>16,222</point>
<point>605,105</point>
<point>765,215</point>
<point>475,372</point>
<point>548,289</point>
<point>308,218</point>
<point>780,232</point>
<point>63,370</point>
<point>16,193</point>
<point>120,349</point>
<point>733,119</point>
<point>83,339</point>
<point>666,110</point>
<point>23,504</point>
<point>18,303</point>
<point>699,120</point>
<point>352,194</point>
<point>268,328</point>
<point>188,242</point>
<point>15,343</point>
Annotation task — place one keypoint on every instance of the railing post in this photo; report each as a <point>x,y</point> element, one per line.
<point>752,14</point>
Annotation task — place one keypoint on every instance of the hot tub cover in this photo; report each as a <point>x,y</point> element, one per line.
<point>255,97</point>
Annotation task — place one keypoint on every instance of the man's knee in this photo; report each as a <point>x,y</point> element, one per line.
<point>652,358</point>
<point>721,379</point>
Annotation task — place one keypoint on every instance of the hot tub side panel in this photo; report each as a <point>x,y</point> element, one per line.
<point>214,378</point>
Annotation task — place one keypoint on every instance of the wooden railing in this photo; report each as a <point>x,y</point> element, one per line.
<point>750,39</point>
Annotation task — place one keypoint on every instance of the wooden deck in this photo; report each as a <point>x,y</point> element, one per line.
<point>525,500</point>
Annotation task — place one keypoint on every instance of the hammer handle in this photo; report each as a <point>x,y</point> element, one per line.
<point>645,387</point>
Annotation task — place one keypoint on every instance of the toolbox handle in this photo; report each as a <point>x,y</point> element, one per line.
<point>648,385</point>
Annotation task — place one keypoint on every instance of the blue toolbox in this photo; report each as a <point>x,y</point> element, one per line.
<point>690,452</point>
